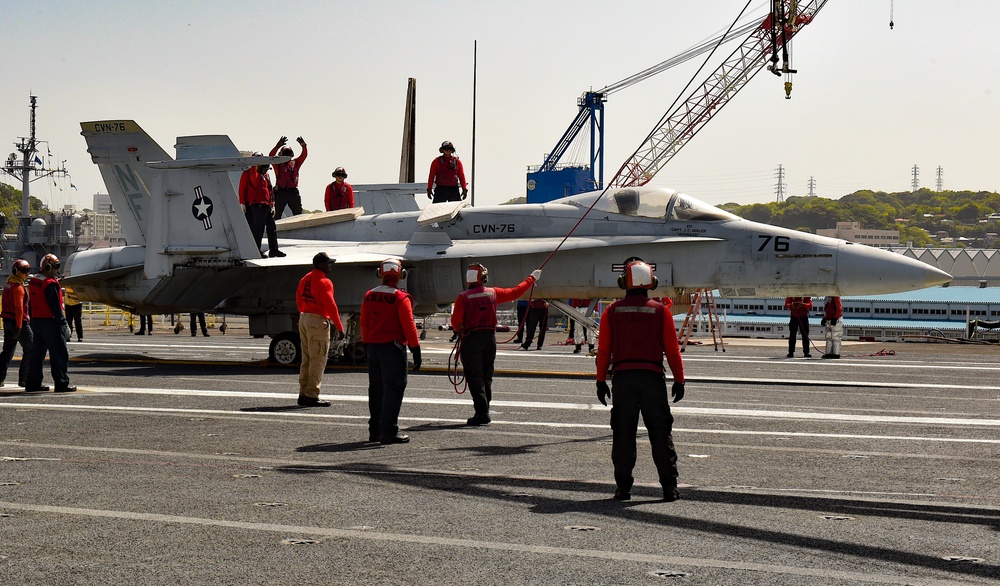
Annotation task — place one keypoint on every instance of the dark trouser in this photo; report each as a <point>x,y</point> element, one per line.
<point>261,220</point>
<point>447,193</point>
<point>287,196</point>
<point>634,392</point>
<point>47,334</point>
<point>538,317</point>
<point>386,385</point>
<point>798,324</point>
<point>144,322</point>
<point>522,311</point>
<point>479,352</point>
<point>200,317</point>
<point>74,315</point>
<point>10,342</point>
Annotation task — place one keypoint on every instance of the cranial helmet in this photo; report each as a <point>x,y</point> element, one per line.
<point>21,268</point>
<point>391,268</point>
<point>477,274</point>
<point>49,265</point>
<point>637,274</point>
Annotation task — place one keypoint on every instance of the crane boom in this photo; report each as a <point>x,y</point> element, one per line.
<point>680,125</point>
<point>593,100</point>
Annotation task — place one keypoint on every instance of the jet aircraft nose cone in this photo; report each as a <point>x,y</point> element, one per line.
<point>864,270</point>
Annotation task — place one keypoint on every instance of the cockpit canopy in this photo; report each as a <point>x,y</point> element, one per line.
<point>650,202</point>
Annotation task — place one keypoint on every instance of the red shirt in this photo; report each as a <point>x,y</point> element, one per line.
<point>38,303</point>
<point>287,174</point>
<point>387,316</point>
<point>339,196</point>
<point>500,295</point>
<point>315,295</point>
<point>799,306</point>
<point>833,309</point>
<point>635,333</point>
<point>255,188</point>
<point>15,302</point>
<point>446,171</point>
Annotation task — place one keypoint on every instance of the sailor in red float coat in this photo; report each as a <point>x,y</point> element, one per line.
<point>446,175</point>
<point>16,322</point>
<point>387,328</point>
<point>286,178</point>
<point>635,334</point>
<point>474,317</point>
<point>799,308</point>
<point>49,329</point>
<point>833,326</point>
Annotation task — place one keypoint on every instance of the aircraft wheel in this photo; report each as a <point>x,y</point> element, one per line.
<point>285,349</point>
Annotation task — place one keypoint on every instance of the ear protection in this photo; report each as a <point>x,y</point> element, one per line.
<point>477,274</point>
<point>637,275</point>
<point>22,266</point>
<point>389,267</point>
<point>50,263</point>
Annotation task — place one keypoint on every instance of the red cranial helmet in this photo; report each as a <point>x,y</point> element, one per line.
<point>49,265</point>
<point>637,274</point>
<point>391,268</point>
<point>477,274</point>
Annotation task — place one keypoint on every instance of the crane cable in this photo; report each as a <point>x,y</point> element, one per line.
<point>455,376</point>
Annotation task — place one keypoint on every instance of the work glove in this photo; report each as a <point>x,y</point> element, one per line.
<point>603,392</point>
<point>430,194</point>
<point>417,361</point>
<point>465,194</point>
<point>677,391</point>
<point>536,274</point>
<point>833,322</point>
<point>65,331</point>
<point>822,322</point>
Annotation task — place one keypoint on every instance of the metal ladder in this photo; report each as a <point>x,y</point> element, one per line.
<point>698,298</point>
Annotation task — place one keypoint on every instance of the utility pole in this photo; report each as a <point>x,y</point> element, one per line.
<point>780,188</point>
<point>940,178</point>
<point>812,187</point>
<point>915,183</point>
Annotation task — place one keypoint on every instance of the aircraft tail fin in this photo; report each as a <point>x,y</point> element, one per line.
<point>120,149</point>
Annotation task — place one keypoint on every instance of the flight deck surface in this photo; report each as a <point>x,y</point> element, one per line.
<point>186,460</point>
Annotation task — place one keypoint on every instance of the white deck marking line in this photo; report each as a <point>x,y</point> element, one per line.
<point>706,411</point>
<point>466,543</point>
<point>550,424</point>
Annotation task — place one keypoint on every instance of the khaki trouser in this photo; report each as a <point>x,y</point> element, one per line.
<point>314,340</point>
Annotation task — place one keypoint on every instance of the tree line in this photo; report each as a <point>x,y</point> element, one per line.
<point>918,215</point>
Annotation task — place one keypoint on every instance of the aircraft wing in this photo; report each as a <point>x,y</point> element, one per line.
<point>420,249</point>
<point>301,252</point>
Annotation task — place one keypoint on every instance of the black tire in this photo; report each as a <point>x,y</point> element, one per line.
<point>285,349</point>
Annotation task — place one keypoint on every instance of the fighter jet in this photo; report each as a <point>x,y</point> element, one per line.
<point>190,247</point>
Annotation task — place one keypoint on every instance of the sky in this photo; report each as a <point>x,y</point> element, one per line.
<point>868,103</point>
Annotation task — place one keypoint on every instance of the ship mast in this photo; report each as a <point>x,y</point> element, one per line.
<point>29,165</point>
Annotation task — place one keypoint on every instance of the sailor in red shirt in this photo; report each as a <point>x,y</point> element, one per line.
<point>833,326</point>
<point>387,328</point>
<point>286,180</point>
<point>447,174</point>
<point>314,299</point>
<point>49,329</point>
<point>475,319</point>
<point>258,204</point>
<point>798,322</point>
<point>16,329</point>
<point>635,334</point>
<point>339,194</point>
